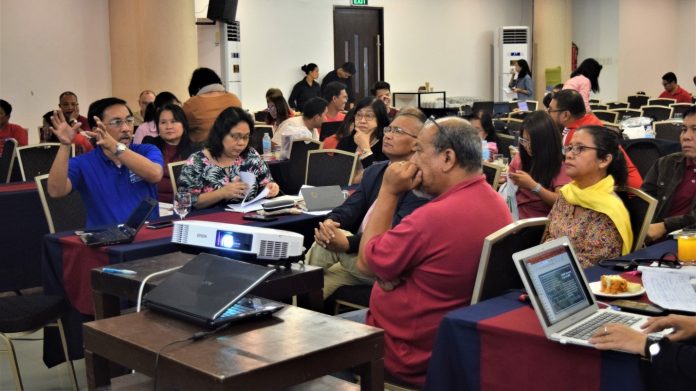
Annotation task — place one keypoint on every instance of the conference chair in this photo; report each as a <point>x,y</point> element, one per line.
<point>174,173</point>
<point>519,115</point>
<point>7,160</point>
<point>661,102</point>
<point>25,315</point>
<point>492,172</point>
<point>509,126</point>
<point>643,154</point>
<point>679,109</point>
<point>641,209</point>
<point>327,167</point>
<point>657,113</point>
<point>598,106</point>
<point>496,272</point>
<point>35,160</point>
<point>532,105</point>
<point>297,169</point>
<point>668,130</point>
<point>62,214</point>
<point>350,297</point>
<point>606,115</point>
<point>637,101</point>
<point>260,116</point>
<point>506,141</point>
<point>591,101</point>
<point>256,138</point>
<point>626,113</point>
<point>617,105</point>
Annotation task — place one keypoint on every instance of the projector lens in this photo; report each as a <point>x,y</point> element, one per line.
<point>227,240</point>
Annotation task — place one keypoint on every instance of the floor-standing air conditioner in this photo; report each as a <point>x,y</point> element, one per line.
<point>513,44</point>
<point>230,54</point>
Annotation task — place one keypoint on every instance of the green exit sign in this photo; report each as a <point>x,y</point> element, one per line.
<point>358,2</point>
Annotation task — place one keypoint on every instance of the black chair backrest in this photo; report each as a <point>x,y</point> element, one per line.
<point>496,272</point>
<point>519,114</point>
<point>7,159</point>
<point>643,154</point>
<point>606,115</point>
<point>256,139</point>
<point>637,101</point>
<point>678,109</point>
<point>492,173</point>
<point>504,143</point>
<point>327,167</point>
<point>641,209</point>
<point>661,102</point>
<point>298,164</point>
<point>657,113</point>
<point>626,113</point>
<point>62,214</point>
<point>37,159</point>
<point>532,105</point>
<point>617,105</point>
<point>174,174</point>
<point>667,130</point>
<point>598,106</point>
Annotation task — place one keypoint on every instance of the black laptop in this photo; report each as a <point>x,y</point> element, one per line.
<point>122,233</point>
<point>211,291</point>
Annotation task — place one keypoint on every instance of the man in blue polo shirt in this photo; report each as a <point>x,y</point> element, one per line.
<point>112,179</point>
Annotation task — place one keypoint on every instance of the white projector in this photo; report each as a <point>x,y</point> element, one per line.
<point>265,243</point>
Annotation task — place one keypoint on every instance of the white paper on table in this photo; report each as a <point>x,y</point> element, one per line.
<point>249,206</point>
<point>670,288</point>
<point>166,209</point>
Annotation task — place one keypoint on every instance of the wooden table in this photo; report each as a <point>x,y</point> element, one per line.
<point>293,346</point>
<point>304,281</point>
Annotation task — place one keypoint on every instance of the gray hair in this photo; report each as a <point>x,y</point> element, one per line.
<point>458,134</point>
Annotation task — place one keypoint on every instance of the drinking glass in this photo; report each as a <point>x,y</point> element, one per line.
<point>182,203</point>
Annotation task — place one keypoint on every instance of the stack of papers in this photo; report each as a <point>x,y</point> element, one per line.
<point>672,289</point>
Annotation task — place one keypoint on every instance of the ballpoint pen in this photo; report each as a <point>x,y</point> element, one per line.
<point>119,271</point>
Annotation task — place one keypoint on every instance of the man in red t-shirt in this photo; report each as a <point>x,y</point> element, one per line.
<point>426,265</point>
<point>8,130</point>
<point>567,109</point>
<point>67,101</point>
<point>672,89</point>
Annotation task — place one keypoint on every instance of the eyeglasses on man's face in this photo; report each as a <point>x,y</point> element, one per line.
<point>397,130</point>
<point>118,122</point>
<point>577,149</point>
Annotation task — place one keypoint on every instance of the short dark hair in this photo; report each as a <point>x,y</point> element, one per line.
<point>228,119</point>
<point>307,68</point>
<point>67,93</point>
<point>411,112</point>
<point>570,100</point>
<point>380,85</point>
<point>669,77</point>
<point>314,106</point>
<point>607,143</point>
<point>202,77</point>
<point>348,67</point>
<point>332,89</point>
<point>6,107</point>
<point>689,112</point>
<point>458,134</point>
<point>98,107</point>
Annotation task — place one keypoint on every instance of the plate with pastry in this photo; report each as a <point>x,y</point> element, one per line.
<point>615,286</point>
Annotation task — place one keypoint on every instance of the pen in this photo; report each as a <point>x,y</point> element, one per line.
<point>119,271</point>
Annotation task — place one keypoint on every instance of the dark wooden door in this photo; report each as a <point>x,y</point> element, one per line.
<point>359,38</point>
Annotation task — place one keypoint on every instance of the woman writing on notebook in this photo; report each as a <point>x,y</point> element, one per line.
<point>588,211</point>
<point>212,175</point>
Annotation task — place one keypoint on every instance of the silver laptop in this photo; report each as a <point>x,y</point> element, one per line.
<point>322,197</point>
<point>561,296</point>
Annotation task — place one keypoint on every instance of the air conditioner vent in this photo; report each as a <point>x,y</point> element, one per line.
<point>515,36</point>
<point>233,32</point>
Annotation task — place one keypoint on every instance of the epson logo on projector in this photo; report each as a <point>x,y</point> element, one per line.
<point>201,236</point>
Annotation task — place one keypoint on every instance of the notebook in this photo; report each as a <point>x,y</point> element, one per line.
<point>211,291</point>
<point>322,197</point>
<point>561,296</point>
<point>122,233</point>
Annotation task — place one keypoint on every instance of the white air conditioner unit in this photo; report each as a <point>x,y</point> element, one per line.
<point>512,44</point>
<point>230,55</point>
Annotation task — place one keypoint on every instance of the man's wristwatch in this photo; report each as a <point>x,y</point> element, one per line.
<point>652,345</point>
<point>120,148</point>
<point>72,122</point>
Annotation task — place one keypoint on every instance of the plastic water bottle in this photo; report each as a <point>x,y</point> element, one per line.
<point>485,153</point>
<point>267,146</point>
<point>649,132</point>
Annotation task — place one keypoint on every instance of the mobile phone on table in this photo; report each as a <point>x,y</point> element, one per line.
<point>258,217</point>
<point>159,224</point>
<point>638,307</point>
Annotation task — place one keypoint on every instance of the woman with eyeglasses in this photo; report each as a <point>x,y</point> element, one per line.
<point>277,108</point>
<point>366,138</point>
<point>174,143</point>
<point>588,211</point>
<point>538,169</point>
<point>212,175</point>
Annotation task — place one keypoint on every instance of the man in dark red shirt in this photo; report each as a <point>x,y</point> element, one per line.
<point>567,109</point>
<point>672,181</point>
<point>67,101</point>
<point>8,130</point>
<point>672,89</point>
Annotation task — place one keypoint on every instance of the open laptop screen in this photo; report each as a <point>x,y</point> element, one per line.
<point>141,213</point>
<point>557,284</point>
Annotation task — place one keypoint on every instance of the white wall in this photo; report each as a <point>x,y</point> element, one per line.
<point>446,42</point>
<point>48,47</point>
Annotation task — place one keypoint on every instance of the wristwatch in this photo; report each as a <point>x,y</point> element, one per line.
<point>652,345</point>
<point>120,148</point>
<point>537,189</point>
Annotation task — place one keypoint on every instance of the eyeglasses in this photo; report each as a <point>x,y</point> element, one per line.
<point>523,141</point>
<point>118,122</point>
<point>239,137</point>
<point>365,116</point>
<point>577,149</point>
<point>433,121</point>
<point>397,130</point>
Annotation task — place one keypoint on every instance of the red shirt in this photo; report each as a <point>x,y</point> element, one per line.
<point>684,193</point>
<point>13,131</point>
<point>436,251</point>
<point>634,179</point>
<point>338,118</point>
<point>680,94</point>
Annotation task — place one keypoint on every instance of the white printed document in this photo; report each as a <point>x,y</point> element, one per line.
<point>671,288</point>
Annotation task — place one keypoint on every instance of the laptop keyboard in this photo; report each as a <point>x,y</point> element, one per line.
<point>239,307</point>
<point>585,330</point>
